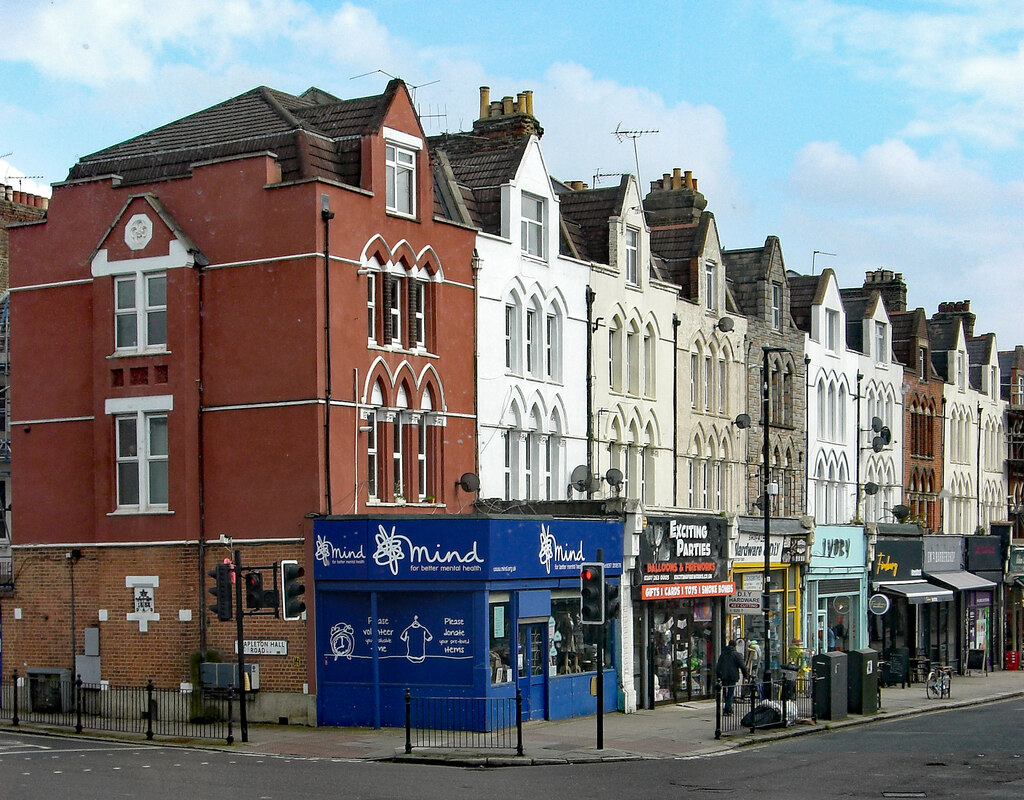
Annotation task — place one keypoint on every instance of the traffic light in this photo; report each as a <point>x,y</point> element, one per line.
<point>292,590</point>
<point>592,593</point>
<point>253,590</point>
<point>611,600</point>
<point>221,590</point>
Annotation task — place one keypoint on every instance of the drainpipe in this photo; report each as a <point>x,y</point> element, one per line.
<point>477,264</point>
<point>201,262</point>
<point>590,296</point>
<point>978,484</point>
<point>856,443</point>
<point>675,410</point>
<point>327,215</point>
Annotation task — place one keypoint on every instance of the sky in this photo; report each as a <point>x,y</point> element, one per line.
<point>879,134</point>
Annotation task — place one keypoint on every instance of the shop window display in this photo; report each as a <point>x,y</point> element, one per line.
<point>501,667</point>
<point>681,636</point>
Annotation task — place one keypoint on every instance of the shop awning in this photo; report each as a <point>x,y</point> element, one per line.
<point>918,592</point>
<point>961,581</point>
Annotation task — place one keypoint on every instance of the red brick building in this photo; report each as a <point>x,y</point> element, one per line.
<point>226,327</point>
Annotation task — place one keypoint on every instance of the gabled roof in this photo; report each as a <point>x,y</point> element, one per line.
<point>944,333</point>
<point>588,211</point>
<point>313,135</point>
<point>980,350</point>
<point>746,267</point>
<point>909,329</point>
<point>856,305</point>
<point>481,167</point>
<point>806,291</point>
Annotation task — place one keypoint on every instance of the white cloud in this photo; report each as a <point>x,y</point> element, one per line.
<point>964,60</point>
<point>889,176</point>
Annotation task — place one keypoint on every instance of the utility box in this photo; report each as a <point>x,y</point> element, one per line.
<point>49,689</point>
<point>225,676</point>
<point>862,667</point>
<point>830,685</point>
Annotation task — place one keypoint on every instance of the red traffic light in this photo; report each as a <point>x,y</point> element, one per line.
<point>587,574</point>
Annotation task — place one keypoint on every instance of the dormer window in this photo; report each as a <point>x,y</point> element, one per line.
<point>960,371</point>
<point>400,164</point>
<point>632,260</point>
<point>922,363</point>
<point>710,287</point>
<point>832,330</point>
<point>777,308</point>
<point>880,343</point>
<point>532,228</point>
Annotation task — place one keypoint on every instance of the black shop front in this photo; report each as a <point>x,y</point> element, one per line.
<point>679,607</point>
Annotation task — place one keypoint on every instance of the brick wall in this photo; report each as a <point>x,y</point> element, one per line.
<point>46,578</point>
<point>15,207</point>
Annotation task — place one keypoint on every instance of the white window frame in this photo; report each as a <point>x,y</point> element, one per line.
<point>398,457</point>
<point>776,307</point>
<point>831,330</point>
<point>421,458</point>
<point>532,225</point>
<point>553,347</point>
<point>418,334</point>
<point>880,342</point>
<point>710,286</point>
<point>400,169</point>
<point>371,307</point>
<point>143,411</point>
<point>372,489</point>
<point>632,256</point>
<point>395,310</point>
<point>532,342</point>
<point>141,311</point>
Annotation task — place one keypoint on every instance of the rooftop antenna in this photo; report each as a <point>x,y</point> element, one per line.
<point>620,134</point>
<point>435,113</point>
<point>817,253</point>
<point>412,87</point>
<point>598,175</point>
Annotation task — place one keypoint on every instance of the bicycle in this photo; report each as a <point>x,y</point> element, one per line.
<point>939,681</point>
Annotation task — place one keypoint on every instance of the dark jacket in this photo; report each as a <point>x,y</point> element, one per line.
<point>730,665</point>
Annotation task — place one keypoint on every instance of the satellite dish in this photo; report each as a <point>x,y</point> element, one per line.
<point>759,502</point>
<point>871,488</point>
<point>901,512</point>
<point>469,482</point>
<point>580,478</point>
<point>886,435</point>
<point>841,604</point>
<point>876,424</point>
<point>742,421</point>
<point>614,477</point>
<point>878,444</point>
<point>725,324</point>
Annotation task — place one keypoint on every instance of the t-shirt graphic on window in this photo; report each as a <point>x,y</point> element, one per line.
<point>416,638</point>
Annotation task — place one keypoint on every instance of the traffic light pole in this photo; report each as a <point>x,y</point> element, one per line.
<point>242,716</point>
<point>600,665</point>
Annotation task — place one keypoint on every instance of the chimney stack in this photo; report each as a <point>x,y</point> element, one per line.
<point>674,200</point>
<point>890,286</point>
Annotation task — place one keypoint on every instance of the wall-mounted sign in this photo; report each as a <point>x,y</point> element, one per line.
<point>878,604</point>
<point>745,601</point>
<point>684,550</point>
<point>897,560</point>
<point>264,647</point>
<point>685,590</point>
<point>412,548</point>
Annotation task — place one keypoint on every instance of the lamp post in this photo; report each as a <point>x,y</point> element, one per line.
<point>766,491</point>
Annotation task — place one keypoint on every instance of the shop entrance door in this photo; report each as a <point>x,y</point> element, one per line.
<point>531,661</point>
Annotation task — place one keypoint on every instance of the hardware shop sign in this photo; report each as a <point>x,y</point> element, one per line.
<point>685,550</point>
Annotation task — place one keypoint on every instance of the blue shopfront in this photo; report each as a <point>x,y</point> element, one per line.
<point>458,607</point>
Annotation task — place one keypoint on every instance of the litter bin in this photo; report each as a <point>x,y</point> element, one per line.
<point>789,673</point>
<point>863,681</point>
<point>830,687</point>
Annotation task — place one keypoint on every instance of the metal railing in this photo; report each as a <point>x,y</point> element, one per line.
<point>6,572</point>
<point>458,723</point>
<point>54,700</point>
<point>757,706</point>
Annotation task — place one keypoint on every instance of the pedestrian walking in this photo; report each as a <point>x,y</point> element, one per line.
<point>729,668</point>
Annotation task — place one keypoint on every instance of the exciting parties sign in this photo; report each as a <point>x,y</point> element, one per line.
<point>409,548</point>
<point>684,557</point>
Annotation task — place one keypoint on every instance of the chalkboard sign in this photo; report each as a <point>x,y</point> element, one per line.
<point>896,671</point>
<point>976,659</point>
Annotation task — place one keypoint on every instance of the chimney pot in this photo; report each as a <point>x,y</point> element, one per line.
<point>529,101</point>
<point>485,101</point>
<point>693,184</point>
<point>506,104</point>
<point>677,181</point>
<point>688,179</point>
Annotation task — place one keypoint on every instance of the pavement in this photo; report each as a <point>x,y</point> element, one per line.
<point>682,730</point>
